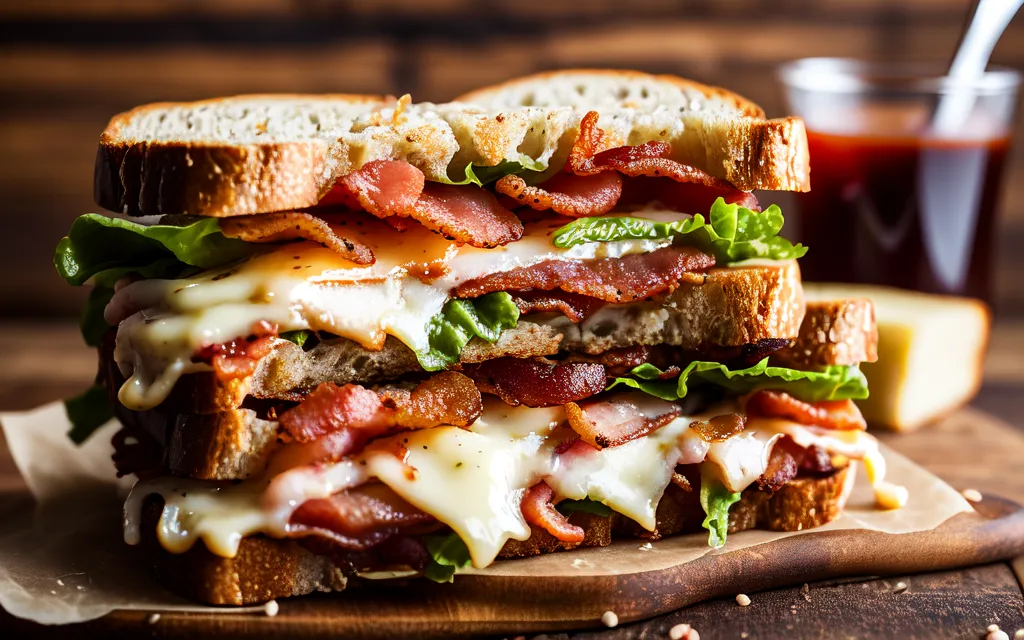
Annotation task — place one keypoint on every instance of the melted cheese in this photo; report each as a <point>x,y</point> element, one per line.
<point>306,286</point>
<point>473,479</point>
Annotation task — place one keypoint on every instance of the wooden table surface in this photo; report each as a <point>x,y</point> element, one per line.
<point>44,362</point>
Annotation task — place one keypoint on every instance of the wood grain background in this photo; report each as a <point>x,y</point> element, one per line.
<point>66,66</point>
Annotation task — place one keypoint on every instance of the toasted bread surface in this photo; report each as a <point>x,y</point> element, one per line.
<point>707,127</point>
<point>255,154</point>
<point>261,153</point>
<point>833,332</point>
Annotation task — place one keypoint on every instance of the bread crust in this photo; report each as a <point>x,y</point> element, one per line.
<point>833,332</point>
<point>263,569</point>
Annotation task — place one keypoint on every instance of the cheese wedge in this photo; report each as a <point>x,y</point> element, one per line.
<point>931,350</point>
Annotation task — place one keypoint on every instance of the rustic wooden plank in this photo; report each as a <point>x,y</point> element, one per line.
<point>946,604</point>
<point>127,78</point>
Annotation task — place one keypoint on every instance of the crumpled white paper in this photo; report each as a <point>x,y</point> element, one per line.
<point>65,561</point>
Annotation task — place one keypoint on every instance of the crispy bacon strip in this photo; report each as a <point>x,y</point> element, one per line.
<point>628,279</point>
<point>616,420</point>
<point>719,428</point>
<point>281,227</point>
<point>568,194</point>
<point>648,159</point>
<point>782,468</point>
<point>842,415</point>
<point>466,214</point>
<point>446,398</point>
<point>686,197</point>
<point>573,306</point>
<point>383,187</point>
<point>238,358</point>
<point>537,383</point>
<point>392,188</point>
<point>538,511</point>
<point>357,518</point>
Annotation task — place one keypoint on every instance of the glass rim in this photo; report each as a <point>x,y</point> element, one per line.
<point>850,75</point>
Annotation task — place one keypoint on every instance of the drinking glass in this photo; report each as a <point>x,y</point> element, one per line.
<point>900,196</point>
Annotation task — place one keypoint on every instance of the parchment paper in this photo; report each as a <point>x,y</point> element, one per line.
<point>65,560</point>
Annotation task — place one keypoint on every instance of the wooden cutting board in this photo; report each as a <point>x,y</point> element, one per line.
<point>490,605</point>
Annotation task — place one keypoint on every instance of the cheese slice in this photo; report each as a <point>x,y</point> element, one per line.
<point>307,286</point>
<point>930,352</point>
<point>473,479</point>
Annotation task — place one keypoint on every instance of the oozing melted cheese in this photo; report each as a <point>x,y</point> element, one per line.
<point>473,479</point>
<point>306,286</point>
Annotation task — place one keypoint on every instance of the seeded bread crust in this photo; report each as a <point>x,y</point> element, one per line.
<point>266,568</point>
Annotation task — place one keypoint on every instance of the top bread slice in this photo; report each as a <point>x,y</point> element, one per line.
<point>262,153</point>
<point>707,127</point>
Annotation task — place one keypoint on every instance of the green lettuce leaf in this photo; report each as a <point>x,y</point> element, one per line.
<point>531,170</point>
<point>732,233</point>
<point>301,337</point>
<point>462,320</point>
<point>96,244</point>
<point>447,553</point>
<point>832,383</point>
<point>716,500</point>
<point>586,505</point>
<point>87,412</point>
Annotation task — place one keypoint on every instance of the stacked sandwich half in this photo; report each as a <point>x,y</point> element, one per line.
<point>347,334</point>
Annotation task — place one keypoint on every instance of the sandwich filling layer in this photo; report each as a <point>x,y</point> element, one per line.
<point>474,479</point>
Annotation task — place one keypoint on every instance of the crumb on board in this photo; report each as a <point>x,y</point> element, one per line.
<point>153,618</point>
<point>971,495</point>
<point>805,591</point>
<point>271,608</point>
<point>743,600</point>
<point>683,631</point>
<point>609,619</point>
<point>1019,634</point>
<point>900,587</point>
<point>995,633</point>
<point>647,546</point>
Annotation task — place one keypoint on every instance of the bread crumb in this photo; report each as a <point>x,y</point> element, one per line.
<point>683,632</point>
<point>60,582</point>
<point>971,495</point>
<point>805,591</point>
<point>900,587</point>
<point>647,546</point>
<point>743,600</point>
<point>271,608</point>
<point>997,635</point>
<point>153,618</point>
<point>609,619</point>
<point>1019,634</point>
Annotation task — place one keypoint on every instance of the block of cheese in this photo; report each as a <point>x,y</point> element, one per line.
<point>930,352</point>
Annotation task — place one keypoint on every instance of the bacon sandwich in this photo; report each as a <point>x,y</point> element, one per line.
<point>351,334</point>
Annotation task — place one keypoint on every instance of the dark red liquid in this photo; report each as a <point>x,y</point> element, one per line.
<point>911,213</point>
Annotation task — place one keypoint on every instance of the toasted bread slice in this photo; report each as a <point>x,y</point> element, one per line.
<point>256,153</point>
<point>263,569</point>
<point>708,127</point>
<point>735,306</point>
<point>834,332</point>
<point>267,568</point>
<point>261,153</point>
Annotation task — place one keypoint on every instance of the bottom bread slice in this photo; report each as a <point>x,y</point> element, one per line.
<point>266,568</point>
